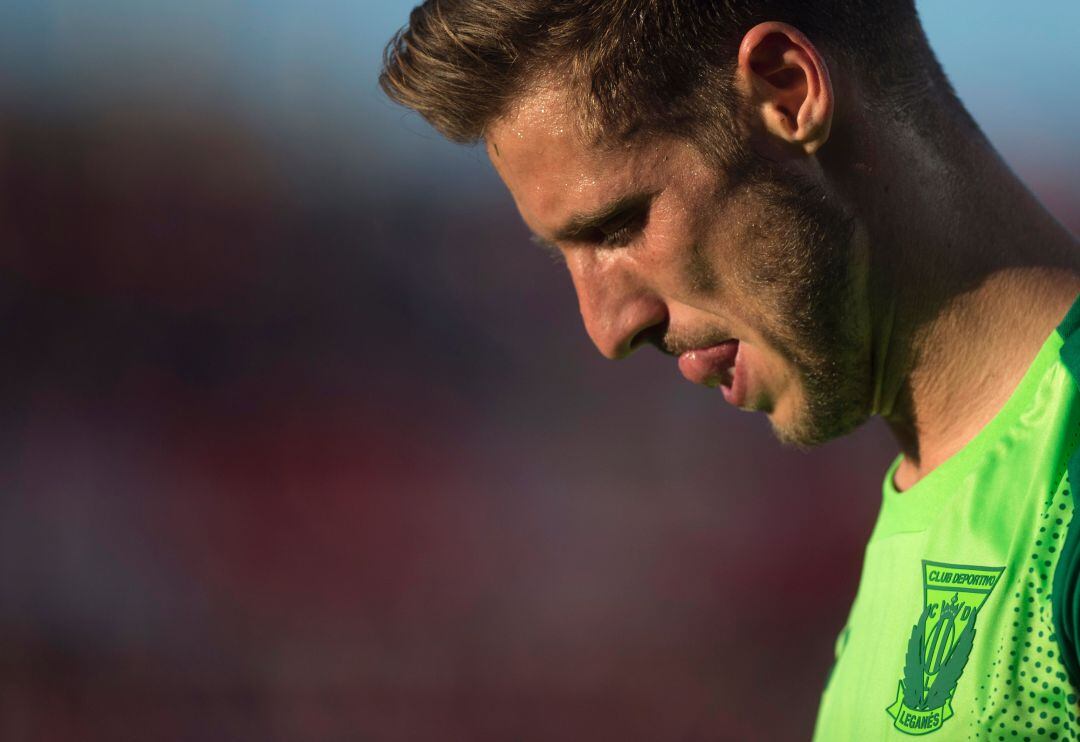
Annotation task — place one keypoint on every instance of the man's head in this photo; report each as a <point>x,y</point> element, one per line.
<point>667,149</point>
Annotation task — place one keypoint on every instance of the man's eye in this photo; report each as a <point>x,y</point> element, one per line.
<point>621,231</point>
<point>618,238</point>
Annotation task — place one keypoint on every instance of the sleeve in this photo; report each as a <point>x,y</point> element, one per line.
<point>1066,585</point>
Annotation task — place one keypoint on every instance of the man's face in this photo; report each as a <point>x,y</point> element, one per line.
<point>756,281</point>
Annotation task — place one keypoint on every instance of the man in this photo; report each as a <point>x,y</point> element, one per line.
<point>788,197</point>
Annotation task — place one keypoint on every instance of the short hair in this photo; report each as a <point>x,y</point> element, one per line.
<point>640,66</point>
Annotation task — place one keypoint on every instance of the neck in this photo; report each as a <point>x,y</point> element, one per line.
<point>969,275</point>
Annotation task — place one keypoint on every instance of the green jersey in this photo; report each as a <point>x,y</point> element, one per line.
<point>965,624</point>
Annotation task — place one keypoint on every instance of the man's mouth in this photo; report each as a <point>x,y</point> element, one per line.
<point>715,366</point>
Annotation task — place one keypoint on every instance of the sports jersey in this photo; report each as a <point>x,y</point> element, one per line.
<point>964,625</point>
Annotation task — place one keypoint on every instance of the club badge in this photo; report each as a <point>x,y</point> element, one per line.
<point>940,643</point>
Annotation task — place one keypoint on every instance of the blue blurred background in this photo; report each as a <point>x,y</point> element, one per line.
<point>300,439</point>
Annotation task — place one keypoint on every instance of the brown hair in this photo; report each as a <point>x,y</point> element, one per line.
<point>656,66</point>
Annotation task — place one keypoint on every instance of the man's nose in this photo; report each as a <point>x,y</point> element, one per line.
<point>620,311</point>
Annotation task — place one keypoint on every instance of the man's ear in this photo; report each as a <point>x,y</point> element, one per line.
<point>786,83</point>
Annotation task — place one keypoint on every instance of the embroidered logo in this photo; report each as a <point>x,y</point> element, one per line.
<point>940,643</point>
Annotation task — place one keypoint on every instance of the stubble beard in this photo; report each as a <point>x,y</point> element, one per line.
<point>806,267</point>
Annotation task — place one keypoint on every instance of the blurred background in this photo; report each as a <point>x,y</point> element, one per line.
<point>301,439</point>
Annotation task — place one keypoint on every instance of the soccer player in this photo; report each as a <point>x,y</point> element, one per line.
<point>789,199</point>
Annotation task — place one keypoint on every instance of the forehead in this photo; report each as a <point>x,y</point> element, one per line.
<point>553,169</point>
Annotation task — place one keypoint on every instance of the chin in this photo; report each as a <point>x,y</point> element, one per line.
<point>792,432</point>
<point>805,426</point>
<point>794,435</point>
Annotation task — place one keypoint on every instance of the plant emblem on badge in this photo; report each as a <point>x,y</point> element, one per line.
<point>940,643</point>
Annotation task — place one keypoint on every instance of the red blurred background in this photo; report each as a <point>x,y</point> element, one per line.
<point>301,440</point>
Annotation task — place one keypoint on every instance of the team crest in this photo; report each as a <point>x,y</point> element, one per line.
<point>940,644</point>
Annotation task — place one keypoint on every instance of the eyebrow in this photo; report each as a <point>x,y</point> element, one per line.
<point>548,246</point>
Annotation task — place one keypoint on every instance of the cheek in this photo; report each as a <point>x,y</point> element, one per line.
<point>681,250</point>
<point>700,271</point>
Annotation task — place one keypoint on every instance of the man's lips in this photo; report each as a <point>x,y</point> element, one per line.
<point>715,366</point>
<point>710,366</point>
